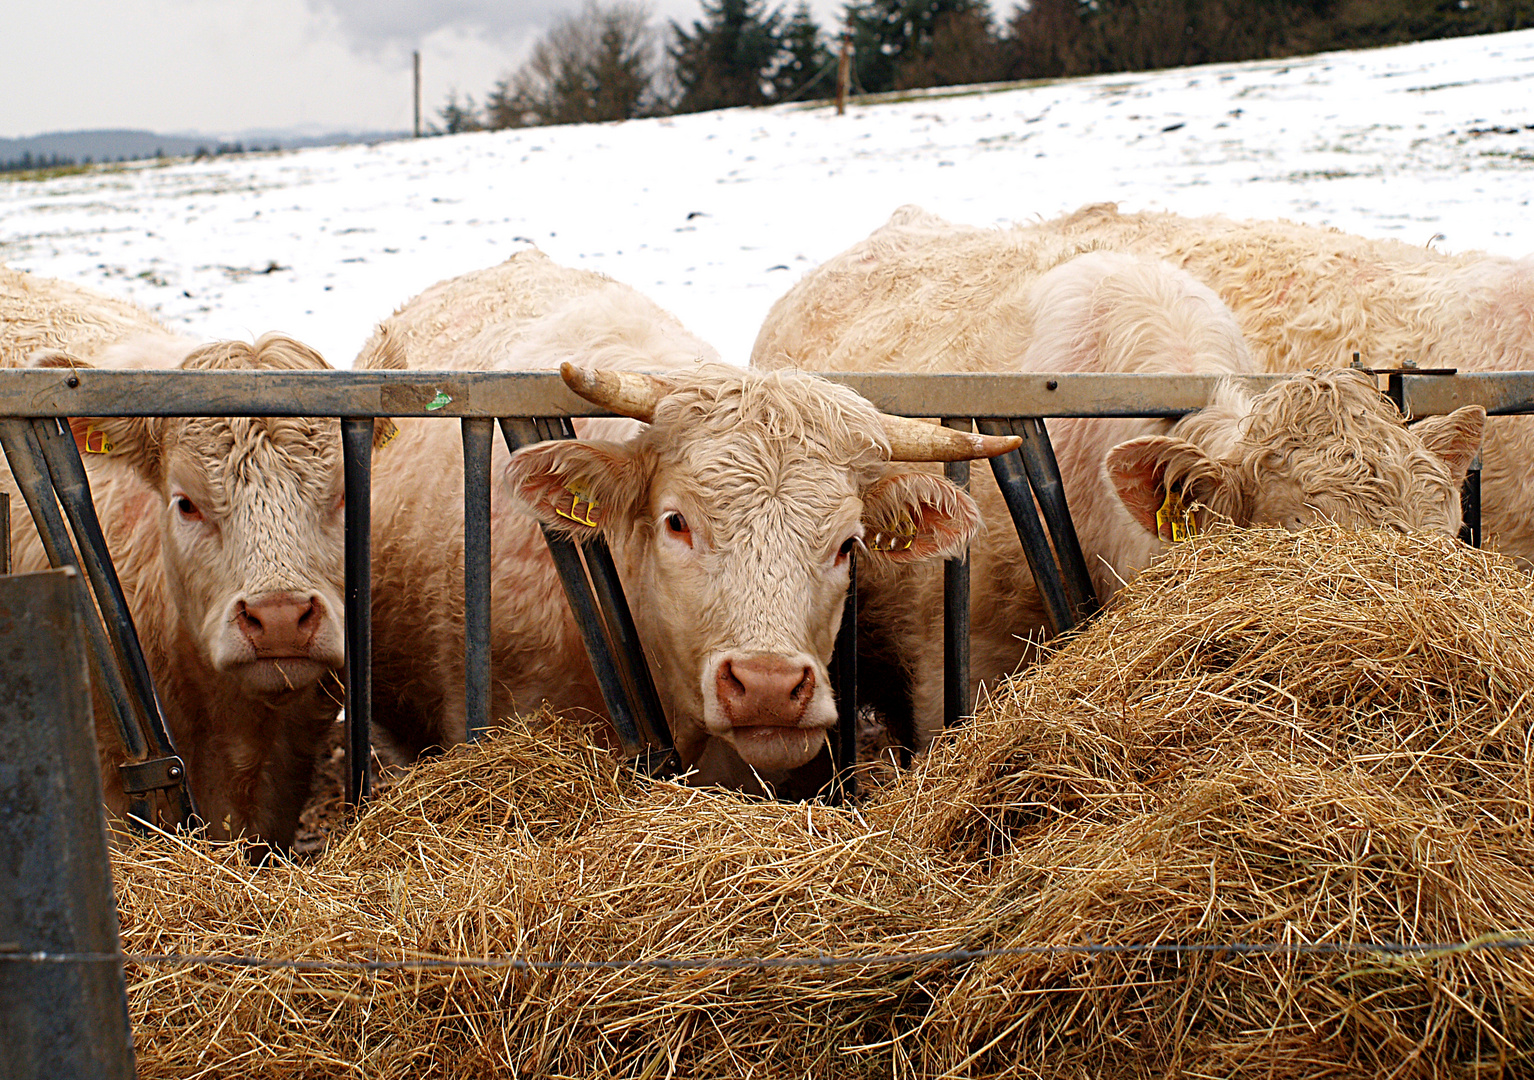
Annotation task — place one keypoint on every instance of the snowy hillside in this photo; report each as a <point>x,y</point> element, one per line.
<point>716,215</point>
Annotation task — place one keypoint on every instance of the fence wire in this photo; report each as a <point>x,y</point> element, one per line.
<point>1428,950</point>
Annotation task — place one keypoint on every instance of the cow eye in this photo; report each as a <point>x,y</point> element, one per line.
<point>676,525</point>
<point>188,508</point>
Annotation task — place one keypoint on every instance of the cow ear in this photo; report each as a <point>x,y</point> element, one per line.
<point>910,516</point>
<point>383,352</point>
<point>578,488</point>
<point>1455,437</point>
<point>135,440</point>
<point>1168,484</point>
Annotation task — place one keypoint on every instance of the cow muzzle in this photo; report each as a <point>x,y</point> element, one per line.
<point>774,710</point>
<point>280,641</point>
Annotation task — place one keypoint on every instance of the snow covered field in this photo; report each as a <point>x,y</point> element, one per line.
<point>716,215</point>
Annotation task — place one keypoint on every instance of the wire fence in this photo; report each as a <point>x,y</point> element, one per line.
<point>1419,950</point>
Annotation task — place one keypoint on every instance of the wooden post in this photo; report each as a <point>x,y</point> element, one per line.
<point>60,1018</point>
<point>843,71</point>
<point>417,57</point>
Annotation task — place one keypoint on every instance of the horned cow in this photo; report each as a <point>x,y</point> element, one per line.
<point>921,294</point>
<point>227,536</point>
<point>731,510</point>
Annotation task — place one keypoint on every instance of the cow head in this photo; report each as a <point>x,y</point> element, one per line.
<point>1318,447</point>
<point>250,522</point>
<point>735,514</point>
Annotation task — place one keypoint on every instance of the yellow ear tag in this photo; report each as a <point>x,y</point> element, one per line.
<point>900,537</point>
<point>96,442</point>
<point>1175,517</point>
<point>389,433</point>
<point>579,493</point>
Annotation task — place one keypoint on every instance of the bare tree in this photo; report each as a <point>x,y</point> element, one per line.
<point>598,64</point>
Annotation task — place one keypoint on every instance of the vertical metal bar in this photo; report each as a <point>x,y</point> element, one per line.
<point>518,433</point>
<point>478,438</point>
<point>357,464</point>
<point>1470,504</point>
<point>72,487</point>
<point>56,1019</point>
<point>956,700</point>
<point>1038,455</point>
<point>628,650</point>
<point>5,533</point>
<point>1012,480</point>
<point>844,675</point>
<point>30,470</point>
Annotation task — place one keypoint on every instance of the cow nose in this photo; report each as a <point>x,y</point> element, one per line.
<point>764,690</point>
<point>282,624</point>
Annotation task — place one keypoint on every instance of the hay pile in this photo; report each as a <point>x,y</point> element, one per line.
<point>1269,738</point>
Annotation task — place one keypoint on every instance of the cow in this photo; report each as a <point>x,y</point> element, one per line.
<point>732,501</point>
<point>1308,296</point>
<point>227,536</point>
<point>920,294</point>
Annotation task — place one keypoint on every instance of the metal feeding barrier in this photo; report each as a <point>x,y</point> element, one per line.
<point>64,1011</point>
<point>531,407</point>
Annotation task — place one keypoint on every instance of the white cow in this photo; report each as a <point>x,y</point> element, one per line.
<point>1306,296</point>
<point>731,517</point>
<point>227,536</point>
<point>923,295</point>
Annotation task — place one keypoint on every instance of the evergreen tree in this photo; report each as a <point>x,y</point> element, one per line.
<point>458,116</point>
<point>730,58</point>
<point>889,35</point>
<point>806,59</point>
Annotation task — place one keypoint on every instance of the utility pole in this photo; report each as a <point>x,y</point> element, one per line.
<point>417,56</point>
<point>843,70</point>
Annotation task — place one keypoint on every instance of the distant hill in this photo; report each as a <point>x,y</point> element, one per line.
<point>79,147</point>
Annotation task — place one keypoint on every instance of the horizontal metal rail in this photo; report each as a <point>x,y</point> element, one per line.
<point>998,401</point>
<point>52,392</point>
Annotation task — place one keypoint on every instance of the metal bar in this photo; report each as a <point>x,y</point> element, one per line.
<point>73,489</point>
<point>44,392</point>
<point>578,591</point>
<point>357,464</point>
<point>478,439</point>
<point>1470,504</point>
<point>628,650</point>
<point>30,470</point>
<point>56,1020</point>
<point>1012,480</point>
<point>1038,455</point>
<point>844,677</point>
<point>956,700</point>
<point>1500,393</point>
<point>5,533</point>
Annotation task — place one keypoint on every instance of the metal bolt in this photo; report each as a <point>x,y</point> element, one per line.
<point>174,772</point>
<point>1052,384</point>
<point>72,382</point>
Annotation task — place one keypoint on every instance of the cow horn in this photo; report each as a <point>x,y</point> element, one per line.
<point>627,393</point>
<point>917,440</point>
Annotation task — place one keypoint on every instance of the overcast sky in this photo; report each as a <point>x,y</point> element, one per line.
<point>222,66</point>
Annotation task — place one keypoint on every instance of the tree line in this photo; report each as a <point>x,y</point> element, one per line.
<point>610,62</point>
<point>27,161</point>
